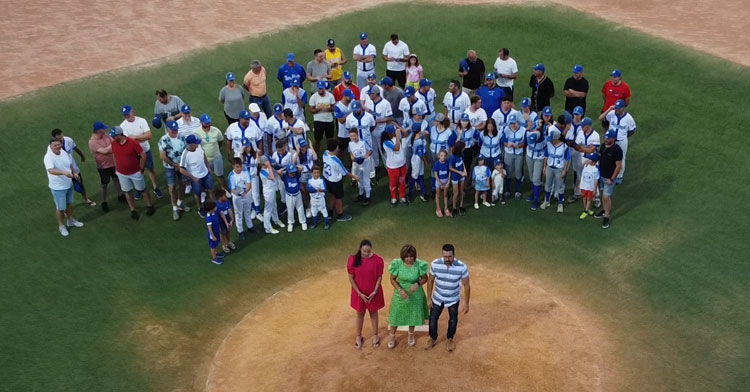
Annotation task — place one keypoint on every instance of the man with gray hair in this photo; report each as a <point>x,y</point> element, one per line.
<point>255,84</point>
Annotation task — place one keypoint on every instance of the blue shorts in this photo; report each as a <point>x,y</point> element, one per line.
<point>173,176</point>
<point>457,181</point>
<point>205,183</point>
<point>491,162</point>
<point>149,160</point>
<point>213,244</point>
<point>607,190</point>
<point>63,198</point>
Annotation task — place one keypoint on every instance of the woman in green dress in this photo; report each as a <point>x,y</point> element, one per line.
<point>409,304</point>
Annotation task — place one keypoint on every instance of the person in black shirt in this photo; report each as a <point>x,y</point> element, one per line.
<point>575,90</point>
<point>610,164</point>
<point>542,88</point>
<point>471,69</point>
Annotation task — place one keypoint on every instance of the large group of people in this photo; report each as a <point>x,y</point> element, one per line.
<point>363,128</point>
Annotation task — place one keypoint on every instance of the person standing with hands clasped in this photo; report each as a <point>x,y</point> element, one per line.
<point>611,158</point>
<point>365,270</point>
<point>409,304</point>
<point>447,275</point>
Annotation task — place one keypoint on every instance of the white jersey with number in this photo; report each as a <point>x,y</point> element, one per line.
<point>456,104</point>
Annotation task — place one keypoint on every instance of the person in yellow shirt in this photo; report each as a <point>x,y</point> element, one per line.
<point>336,58</point>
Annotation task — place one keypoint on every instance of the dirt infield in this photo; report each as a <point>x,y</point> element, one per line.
<point>102,36</point>
<point>516,337</point>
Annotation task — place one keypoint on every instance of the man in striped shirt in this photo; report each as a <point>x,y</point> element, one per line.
<point>447,275</point>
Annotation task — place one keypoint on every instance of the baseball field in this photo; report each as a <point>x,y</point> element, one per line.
<point>657,302</point>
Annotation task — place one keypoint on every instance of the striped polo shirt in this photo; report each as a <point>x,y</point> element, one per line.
<point>448,281</point>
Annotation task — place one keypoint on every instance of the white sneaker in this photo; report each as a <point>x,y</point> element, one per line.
<point>232,246</point>
<point>74,223</point>
<point>280,224</point>
<point>272,231</point>
<point>476,206</point>
<point>188,188</point>
<point>175,214</point>
<point>290,228</point>
<point>203,197</point>
<point>308,213</point>
<point>63,230</point>
<point>259,217</point>
<point>252,214</point>
<point>544,205</point>
<point>487,204</point>
<point>304,227</point>
<point>559,208</point>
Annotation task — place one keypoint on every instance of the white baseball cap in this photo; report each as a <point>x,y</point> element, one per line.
<point>254,108</point>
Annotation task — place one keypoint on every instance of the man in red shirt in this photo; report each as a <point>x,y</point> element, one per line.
<point>130,160</point>
<point>346,83</point>
<point>615,88</point>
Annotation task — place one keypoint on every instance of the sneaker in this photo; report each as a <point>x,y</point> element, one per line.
<point>150,210</point>
<point>74,223</point>
<point>63,230</point>
<point>530,198</point>
<point>232,246</point>
<point>159,194</point>
<point>461,211</point>
<point>225,249</point>
<point>344,218</point>
<point>492,204</point>
<point>439,213</point>
<point>476,206</point>
<point>327,226</point>
<point>359,198</point>
<point>583,215</point>
<point>134,214</point>
<point>308,213</point>
<point>289,228</point>
<point>450,345</point>
<point>486,204</point>
<point>560,208</point>
<point>242,236</point>
<point>122,198</point>
<point>188,188</point>
<point>404,202</point>
<point>518,195</point>
<point>259,217</point>
<point>590,212</point>
<point>184,208</point>
<point>203,197</point>
<point>422,198</point>
<point>544,205</point>
<point>534,206</point>
<point>574,199</point>
<point>280,224</point>
<point>220,256</point>
<point>252,214</point>
<point>430,344</point>
<point>366,202</point>
<point>272,231</point>
<point>502,201</point>
<point>597,202</point>
<point>202,213</point>
<point>304,227</point>
<point>138,195</point>
<point>605,223</point>
<point>217,261</point>
<point>105,207</point>
<point>394,203</point>
<point>175,214</point>
<point>599,214</point>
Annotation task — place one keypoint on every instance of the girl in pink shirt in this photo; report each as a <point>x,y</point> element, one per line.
<point>414,72</point>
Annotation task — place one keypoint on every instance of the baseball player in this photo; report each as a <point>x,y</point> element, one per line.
<point>364,54</point>
<point>267,176</point>
<point>410,102</point>
<point>556,163</point>
<point>237,132</point>
<point>317,189</point>
<point>575,156</point>
<point>364,93</point>
<point>623,123</point>
<point>587,142</point>
<point>294,128</point>
<point>427,94</point>
<point>514,135</point>
<point>502,114</point>
<point>364,123</point>
<point>529,118</point>
<point>274,129</point>
<point>240,185</point>
<point>535,146</point>
<point>455,102</point>
<point>295,99</point>
<point>381,110</point>
<point>293,196</point>
<point>341,111</point>
<point>250,164</point>
<point>258,119</point>
<point>361,153</point>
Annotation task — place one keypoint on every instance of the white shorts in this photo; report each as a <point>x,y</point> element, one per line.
<point>217,165</point>
<point>132,181</point>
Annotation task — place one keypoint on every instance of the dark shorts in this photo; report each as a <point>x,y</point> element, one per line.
<point>399,77</point>
<point>213,244</point>
<point>343,143</point>
<point>320,128</point>
<point>106,174</point>
<point>335,188</point>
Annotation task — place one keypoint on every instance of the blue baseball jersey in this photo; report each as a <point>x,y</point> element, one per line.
<point>223,207</point>
<point>518,137</point>
<point>456,163</point>
<point>491,98</point>
<point>212,225</point>
<point>490,146</point>
<point>291,184</point>
<point>441,168</point>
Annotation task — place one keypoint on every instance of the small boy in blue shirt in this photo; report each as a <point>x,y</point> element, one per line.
<point>226,216</point>
<point>214,232</point>
<point>293,197</point>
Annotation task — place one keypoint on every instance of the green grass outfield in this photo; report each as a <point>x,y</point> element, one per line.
<point>666,278</point>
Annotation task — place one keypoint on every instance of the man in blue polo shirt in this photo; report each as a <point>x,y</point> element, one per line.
<point>447,275</point>
<point>491,94</point>
<point>290,70</point>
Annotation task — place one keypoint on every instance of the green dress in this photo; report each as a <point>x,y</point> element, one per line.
<point>413,311</point>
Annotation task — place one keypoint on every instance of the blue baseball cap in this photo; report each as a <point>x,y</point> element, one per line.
<point>98,126</point>
<point>185,109</point>
<point>577,68</point>
<point>594,156</point>
<point>295,82</point>
<point>205,118</point>
<point>553,134</point>
<point>539,67</point>
<point>349,93</point>
<point>156,121</point>
<point>356,105</point>
<point>419,111</point>
<point>245,115</point>
<point>464,116</point>
<point>246,142</point>
<point>390,129</point>
<point>172,125</point>
<point>125,110</point>
<point>425,82</point>
<point>463,64</point>
<point>578,111</point>
<point>371,75</point>
<point>362,36</point>
<point>610,134</point>
<point>533,137</point>
<point>321,84</point>
<point>114,131</point>
<point>386,81</point>
<point>547,111</point>
<point>347,75</point>
<point>586,121</point>
<point>290,57</point>
<point>526,102</point>
<point>303,143</point>
<point>616,73</point>
<point>620,104</point>
<point>278,108</point>
<point>192,139</point>
<point>512,119</point>
<point>409,91</point>
<point>230,77</point>
<point>291,168</point>
<point>490,76</point>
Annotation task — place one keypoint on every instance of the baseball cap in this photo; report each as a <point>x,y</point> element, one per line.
<point>116,131</point>
<point>291,168</point>
<point>156,121</point>
<point>586,121</point>
<point>594,156</point>
<point>348,93</point>
<point>295,82</point>
<point>619,104</point>
<point>373,90</point>
<point>386,81</point>
<point>98,126</point>
<point>577,68</point>
<point>418,111</point>
<point>490,76</point>
<point>408,91</point>
<point>463,64</point>
<point>244,115</point>
<point>547,111</point>
<point>192,139</point>
<point>278,109</point>
<point>172,125</point>
<point>440,117</point>
<point>347,75</point>
<point>533,137</point>
<point>390,129</point>
<point>246,142</point>
<point>512,119</point>
<point>371,75</point>
<point>567,117</point>
<point>290,57</point>
<point>425,82</point>
<point>321,84</point>
<point>616,73</point>
<point>356,105</point>
<point>610,134</point>
<point>363,36</point>
<point>185,109</point>
<point>205,118</point>
<point>578,111</point>
<point>254,108</point>
<point>539,67</point>
<point>526,102</point>
<point>331,42</point>
<point>303,143</point>
<point>125,110</point>
<point>464,116</point>
<point>553,134</point>
<point>230,77</point>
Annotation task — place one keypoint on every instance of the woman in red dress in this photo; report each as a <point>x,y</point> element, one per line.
<point>365,273</point>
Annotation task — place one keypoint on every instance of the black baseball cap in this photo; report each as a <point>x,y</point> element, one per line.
<point>331,42</point>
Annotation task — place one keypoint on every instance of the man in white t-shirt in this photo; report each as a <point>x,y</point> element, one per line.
<point>364,55</point>
<point>396,54</point>
<point>60,175</point>
<point>506,70</point>
<point>321,107</point>
<point>194,165</point>
<point>137,129</point>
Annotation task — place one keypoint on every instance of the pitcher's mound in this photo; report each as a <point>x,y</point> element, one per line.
<point>516,336</point>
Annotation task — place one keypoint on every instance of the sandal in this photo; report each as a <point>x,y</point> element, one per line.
<point>439,213</point>
<point>90,203</point>
<point>358,342</point>
<point>412,341</point>
<point>375,341</point>
<point>391,340</point>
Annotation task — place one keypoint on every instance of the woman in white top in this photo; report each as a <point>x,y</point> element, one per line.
<point>395,162</point>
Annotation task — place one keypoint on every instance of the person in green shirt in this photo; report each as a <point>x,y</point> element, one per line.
<point>409,304</point>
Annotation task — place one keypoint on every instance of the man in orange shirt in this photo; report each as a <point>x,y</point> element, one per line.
<point>255,84</point>
<point>614,89</point>
<point>345,84</point>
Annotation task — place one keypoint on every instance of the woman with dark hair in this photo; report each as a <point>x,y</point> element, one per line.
<point>409,304</point>
<point>233,98</point>
<point>365,274</point>
<point>490,143</point>
<point>395,163</point>
<point>458,177</point>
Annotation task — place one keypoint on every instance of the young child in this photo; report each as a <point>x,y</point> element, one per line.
<point>414,72</point>
<point>418,162</point>
<point>442,174</point>
<point>293,197</point>
<point>498,181</point>
<point>241,187</point>
<point>214,232</point>
<point>317,189</point>
<point>458,177</point>
<point>250,165</point>
<point>481,177</point>
<point>279,160</point>
<point>589,179</point>
<point>226,219</point>
<point>268,177</point>
<point>360,153</point>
